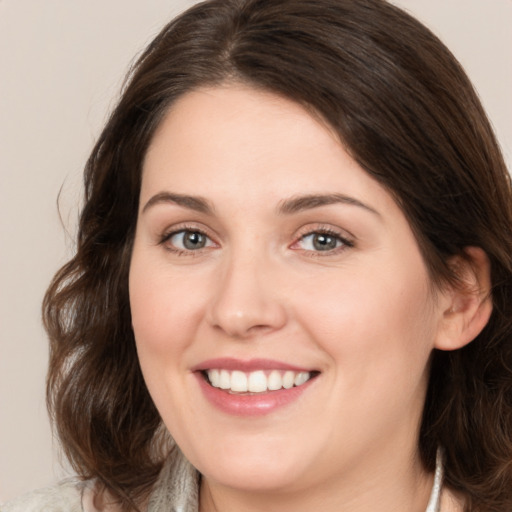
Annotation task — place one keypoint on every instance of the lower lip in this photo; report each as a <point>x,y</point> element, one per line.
<point>250,405</point>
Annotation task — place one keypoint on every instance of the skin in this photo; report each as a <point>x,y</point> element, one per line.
<point>364,314</point>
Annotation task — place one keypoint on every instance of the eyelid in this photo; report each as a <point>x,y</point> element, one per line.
<point>171,231</point>
<point>347,239</point>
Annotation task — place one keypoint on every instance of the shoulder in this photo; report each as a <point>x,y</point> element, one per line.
<point>63,497</point>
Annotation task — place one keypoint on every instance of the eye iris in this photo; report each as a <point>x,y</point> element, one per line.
<point>193,240</point>
<point>323,242</point>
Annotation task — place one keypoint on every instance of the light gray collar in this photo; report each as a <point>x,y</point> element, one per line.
<point>177,487</point>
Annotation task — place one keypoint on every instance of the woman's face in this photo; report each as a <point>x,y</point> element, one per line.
<point>265,258</point>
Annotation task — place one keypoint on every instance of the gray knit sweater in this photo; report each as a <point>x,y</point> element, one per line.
<point>176,490</point>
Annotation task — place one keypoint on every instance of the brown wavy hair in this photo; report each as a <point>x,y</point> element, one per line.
<point>406,112</point>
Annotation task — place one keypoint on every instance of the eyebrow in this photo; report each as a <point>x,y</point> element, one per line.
<point>196,203</point>
<point>286,207</point>
<point>307,202</point>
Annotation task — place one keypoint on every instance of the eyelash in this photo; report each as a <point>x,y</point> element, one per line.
<point>345,243</point>
<point>166,237</point>
<point>343,240</point>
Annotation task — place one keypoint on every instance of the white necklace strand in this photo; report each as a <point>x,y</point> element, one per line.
<point>434,502</point>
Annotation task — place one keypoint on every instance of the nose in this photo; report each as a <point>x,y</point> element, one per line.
<point>247,299</point>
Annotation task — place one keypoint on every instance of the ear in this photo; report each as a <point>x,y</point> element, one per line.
<point>467,306</point>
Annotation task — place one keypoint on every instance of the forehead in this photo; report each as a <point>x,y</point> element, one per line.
<point>252,121</point>
<point>236,137</point>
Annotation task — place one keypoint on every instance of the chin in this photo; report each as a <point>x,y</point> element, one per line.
<point>267,477</point>
<point>257,470</point>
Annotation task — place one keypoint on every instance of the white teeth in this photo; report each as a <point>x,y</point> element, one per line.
<point>224,380</point>
<point>301,378</point>
<point>256,382</point>
<point>275,381</point>
<point>239,382</point>
<point>214,377</point>
<point>288,379</point>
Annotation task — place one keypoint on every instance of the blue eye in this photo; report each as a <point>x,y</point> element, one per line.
<point>188,240</point>
<point>322,242</point>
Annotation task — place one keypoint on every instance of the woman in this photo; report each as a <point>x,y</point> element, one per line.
<point>294,258</point>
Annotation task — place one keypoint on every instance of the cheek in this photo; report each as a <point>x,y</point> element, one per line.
<point>165,312</point>
<point>378,331</point>
<point>373,319</point>
<point>165,309</point>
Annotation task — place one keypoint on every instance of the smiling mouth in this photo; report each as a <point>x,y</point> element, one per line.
<point>260,381</point>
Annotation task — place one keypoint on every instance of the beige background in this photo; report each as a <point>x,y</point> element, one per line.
<point>61,66</point>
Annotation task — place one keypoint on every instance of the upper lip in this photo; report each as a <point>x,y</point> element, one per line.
<point>229,363</point>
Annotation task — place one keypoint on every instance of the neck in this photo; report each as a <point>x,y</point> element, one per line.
<point>393,483</point>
